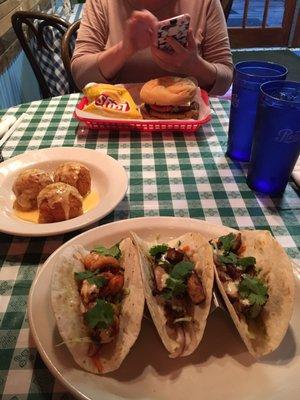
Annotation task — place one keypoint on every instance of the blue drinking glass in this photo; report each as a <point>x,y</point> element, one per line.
<point>248,76</point>
<point>276,141</point>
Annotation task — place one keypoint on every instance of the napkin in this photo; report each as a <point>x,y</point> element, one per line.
<point>296,173</point>
<point>6,123</point>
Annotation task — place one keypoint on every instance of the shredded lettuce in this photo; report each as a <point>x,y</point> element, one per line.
<point>75,340</point>
<point>183,319</point>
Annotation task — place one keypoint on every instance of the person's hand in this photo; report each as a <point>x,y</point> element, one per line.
<point>140,31</point>
<point>180,59</point>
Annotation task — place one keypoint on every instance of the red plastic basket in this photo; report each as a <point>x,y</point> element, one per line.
<point>99,123</point>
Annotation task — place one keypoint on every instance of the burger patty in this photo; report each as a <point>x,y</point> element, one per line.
<point>170,112</point>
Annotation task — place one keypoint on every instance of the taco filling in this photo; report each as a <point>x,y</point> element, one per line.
<point>100,287</point>
<point>98,300</point>
<point>176,284</point>
<point>239,277</point>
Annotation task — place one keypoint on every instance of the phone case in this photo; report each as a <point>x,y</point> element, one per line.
<point>176,27</point>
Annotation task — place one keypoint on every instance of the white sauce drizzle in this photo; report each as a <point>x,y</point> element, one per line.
<point>59,193</point>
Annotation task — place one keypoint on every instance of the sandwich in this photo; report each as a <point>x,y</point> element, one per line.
<point>98,302</point>
<point>178,280</point>
<point>169,98</point>
<point>255,278</point>
<point>110,101</point>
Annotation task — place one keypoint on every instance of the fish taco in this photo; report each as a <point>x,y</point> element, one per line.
<point>98,301</point>
<point>178,280</point>
<point>255,278</point>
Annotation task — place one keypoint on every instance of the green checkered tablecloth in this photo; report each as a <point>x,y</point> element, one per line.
<point>170,174</point>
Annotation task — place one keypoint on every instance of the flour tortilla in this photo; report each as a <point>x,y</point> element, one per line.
<point>266,333</point>
<point>201,254</point>
<point>66,303</point>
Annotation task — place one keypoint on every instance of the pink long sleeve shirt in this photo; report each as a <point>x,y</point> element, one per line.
<point>103,24</point>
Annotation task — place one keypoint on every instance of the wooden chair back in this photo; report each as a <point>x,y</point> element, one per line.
<point>226,5</point>
<point>67,48</point>
<point>30,25</point>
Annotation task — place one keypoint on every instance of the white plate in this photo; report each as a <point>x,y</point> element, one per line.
<point>109,180</point>
<point>220,368</point>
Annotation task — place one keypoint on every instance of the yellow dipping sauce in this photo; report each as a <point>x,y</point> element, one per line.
<point>89,202</point>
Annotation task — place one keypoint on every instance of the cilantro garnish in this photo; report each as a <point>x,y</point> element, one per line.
<point>176,283</point>
<point>99,281</point>
<point>182,270</point>
<point>175,287</point>
<point>158,250</point>
<point>226,242</point>
<point>246,261</point>
<point>91,277</point>
<point>232,258</point>
<point>81,276</point>
<point>100,316</point>
<point>255,291</point>
<point>114,251</point>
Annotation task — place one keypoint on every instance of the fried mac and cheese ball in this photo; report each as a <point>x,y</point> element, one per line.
<point>59,202</point>
<point>75,174</point>
<point>28,185</point>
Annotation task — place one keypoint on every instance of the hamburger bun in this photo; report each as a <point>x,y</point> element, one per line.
<point>168,90</point>
<point>169,97</point>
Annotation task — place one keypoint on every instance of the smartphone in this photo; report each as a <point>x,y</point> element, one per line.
<point>177,27</point>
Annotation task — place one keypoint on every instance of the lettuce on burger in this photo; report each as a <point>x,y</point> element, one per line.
<point>169,97</point>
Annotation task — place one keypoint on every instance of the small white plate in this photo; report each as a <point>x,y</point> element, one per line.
<point>220,368</point>
<point>109,180</point>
